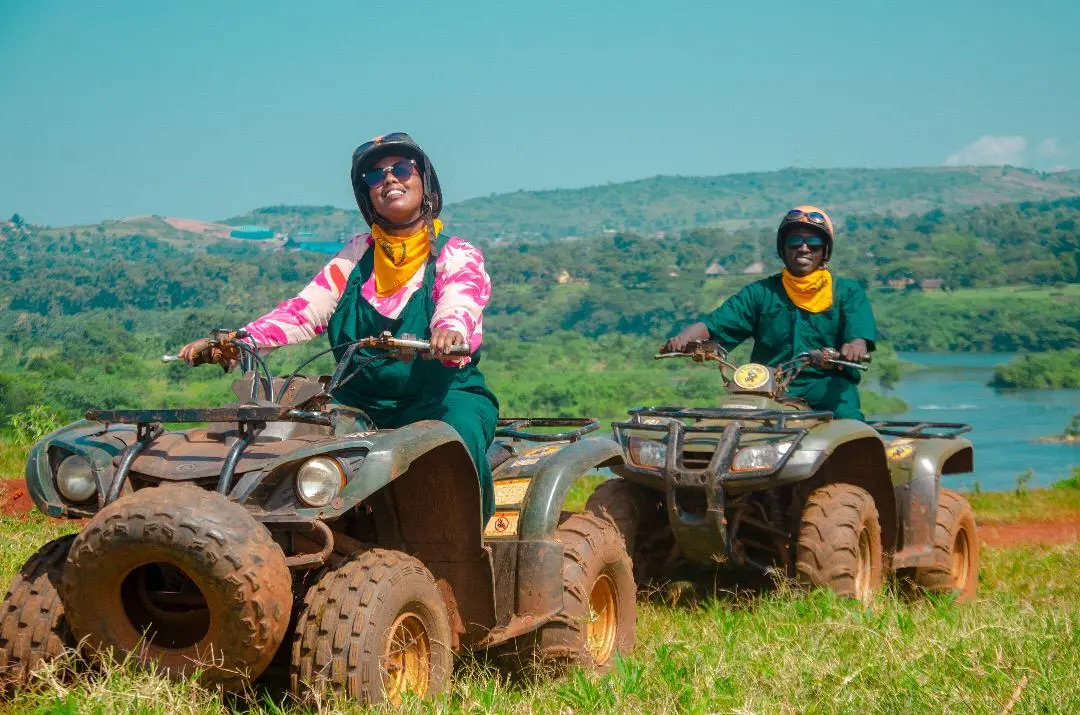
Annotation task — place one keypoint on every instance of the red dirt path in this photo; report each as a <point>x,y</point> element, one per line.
<point>15,500</point>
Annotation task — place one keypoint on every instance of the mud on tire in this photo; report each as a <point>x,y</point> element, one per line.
<point>638,514</point>
<point>372,629</point>
<point>955,566</point>
<point>839,544</point>
<point>34,629</point>
<point>193,571</point>
<point>599,609</point>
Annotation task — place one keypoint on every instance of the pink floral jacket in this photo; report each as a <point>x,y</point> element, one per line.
<point>462,289</point>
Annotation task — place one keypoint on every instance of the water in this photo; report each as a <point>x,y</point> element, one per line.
<point>1005,423</point>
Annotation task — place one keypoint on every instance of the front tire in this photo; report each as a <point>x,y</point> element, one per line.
<point>34,629</point>
<point>599,609</point>
<point>839,545</point>
<point>373,629</point>
<point>955,565</point>
<point>639,516</point>
<point>182,577</point>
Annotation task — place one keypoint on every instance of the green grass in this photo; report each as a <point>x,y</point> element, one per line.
<point>703,647</point>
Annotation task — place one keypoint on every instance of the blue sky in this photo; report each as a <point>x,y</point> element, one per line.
<point>208,109</point>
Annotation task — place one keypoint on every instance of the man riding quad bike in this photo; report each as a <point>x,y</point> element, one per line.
<point>784,473</point>
<point>292,530</point>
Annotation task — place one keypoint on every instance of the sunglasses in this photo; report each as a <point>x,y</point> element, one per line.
<point>401,170</point>
<point>808,216</point>
<point>811,241</point>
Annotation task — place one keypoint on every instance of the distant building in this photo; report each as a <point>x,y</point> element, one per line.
<point>564,278</point>
<point>255,233</point>
<point>931,284</point>
<point>899,283</point>
<point>755,268</point>
<point>715,269</point>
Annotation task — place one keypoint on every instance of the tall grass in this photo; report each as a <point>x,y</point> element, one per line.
<point>703,647</point>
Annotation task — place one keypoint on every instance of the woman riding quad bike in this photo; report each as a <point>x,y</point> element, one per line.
<point>801,308</point>
<point>410,278</point>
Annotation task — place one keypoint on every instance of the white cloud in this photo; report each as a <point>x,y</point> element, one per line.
<point>1049,148</point>
<point>991,150</point>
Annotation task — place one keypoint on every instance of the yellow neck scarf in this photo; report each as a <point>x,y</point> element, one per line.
<point>397,258</point>
<point>812,292</point>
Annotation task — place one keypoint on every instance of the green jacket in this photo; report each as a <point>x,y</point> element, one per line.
<point>763,311</point>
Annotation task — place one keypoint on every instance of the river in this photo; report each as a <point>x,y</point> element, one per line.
<point>952,388</point>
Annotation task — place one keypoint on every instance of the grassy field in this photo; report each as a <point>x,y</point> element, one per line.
<point>705,646</point>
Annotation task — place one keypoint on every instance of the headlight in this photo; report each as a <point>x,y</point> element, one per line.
<point>75,479</point>
<point>759,457</point>
<point>319,480</point>
<point>651,453</point>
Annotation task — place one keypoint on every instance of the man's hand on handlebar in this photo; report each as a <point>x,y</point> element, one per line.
<point>855,351</point>
<point>695,333</point>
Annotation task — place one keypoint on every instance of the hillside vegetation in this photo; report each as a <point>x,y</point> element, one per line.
<point>680,203</point>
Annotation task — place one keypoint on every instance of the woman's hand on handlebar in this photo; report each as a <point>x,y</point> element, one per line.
<point>203,350</point>
<point>855,351</point>
<point>442,339</point>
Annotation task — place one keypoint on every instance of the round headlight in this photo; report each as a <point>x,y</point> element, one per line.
<point>319,480</point>
<point>75,479</point>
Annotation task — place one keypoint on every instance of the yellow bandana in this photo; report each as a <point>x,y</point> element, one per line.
<point>397,258</point>
<point>812,292</point>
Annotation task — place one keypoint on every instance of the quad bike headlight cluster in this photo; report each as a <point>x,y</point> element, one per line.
<point>759,457</point>
<point>75,479</point>
<point>650,453</point>
<point>319,480</point>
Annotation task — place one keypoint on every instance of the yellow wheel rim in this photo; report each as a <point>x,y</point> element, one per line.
<point>961,560</point>
<point>863,568</point>
<point>406,662</point>
<point>603,620</point>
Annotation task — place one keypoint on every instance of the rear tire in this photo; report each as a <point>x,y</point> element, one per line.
<point>193,571</point>
<point>34,629</point>
<point>372,629</point>
<point>639,516</point>
<point>839,545</point>
<point>599,610</point>
<point>955,566</point>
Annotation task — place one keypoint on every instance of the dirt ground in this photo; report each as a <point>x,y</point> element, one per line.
<point>15,500</point>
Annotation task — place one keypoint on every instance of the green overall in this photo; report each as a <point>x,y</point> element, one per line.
<point>763,311</point>
<point>396,393</point>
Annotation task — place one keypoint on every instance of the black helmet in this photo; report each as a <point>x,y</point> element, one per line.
<point>806,217</point>
<point>394,144</point>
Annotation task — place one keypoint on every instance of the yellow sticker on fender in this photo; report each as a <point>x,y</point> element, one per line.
<point>543,451</point>
<point>896,452</point>
<point>502,523</point>
<point>511,492</point>
<point>751,376</point>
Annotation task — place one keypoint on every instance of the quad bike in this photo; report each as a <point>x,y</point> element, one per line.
<point>761,481</point>
<point>291,530</point>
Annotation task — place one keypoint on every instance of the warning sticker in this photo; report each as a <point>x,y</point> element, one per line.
<point>502,523</point>
<point>897,452</point>
<point>542,451</point>
<point>751,376</point>
<point>511,492</point>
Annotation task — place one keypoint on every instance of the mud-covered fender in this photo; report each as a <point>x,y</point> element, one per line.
<point>916,466</point>
<point>531,486</point>
<point>94,441</point>
<point>820,443</point>
<point>389,454</point>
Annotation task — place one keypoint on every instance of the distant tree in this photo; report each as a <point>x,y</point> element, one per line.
<point>17,220</point>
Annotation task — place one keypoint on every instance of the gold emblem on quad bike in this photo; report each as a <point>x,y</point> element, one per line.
<point>751,376</point>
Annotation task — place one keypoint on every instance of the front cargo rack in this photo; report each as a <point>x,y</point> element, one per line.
<point>921,430</point>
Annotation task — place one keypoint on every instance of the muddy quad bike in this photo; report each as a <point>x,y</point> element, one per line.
<point>200,541</point>
<point>761,481</point>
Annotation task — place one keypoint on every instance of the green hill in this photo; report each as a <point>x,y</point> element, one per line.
<point>678,203</point>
